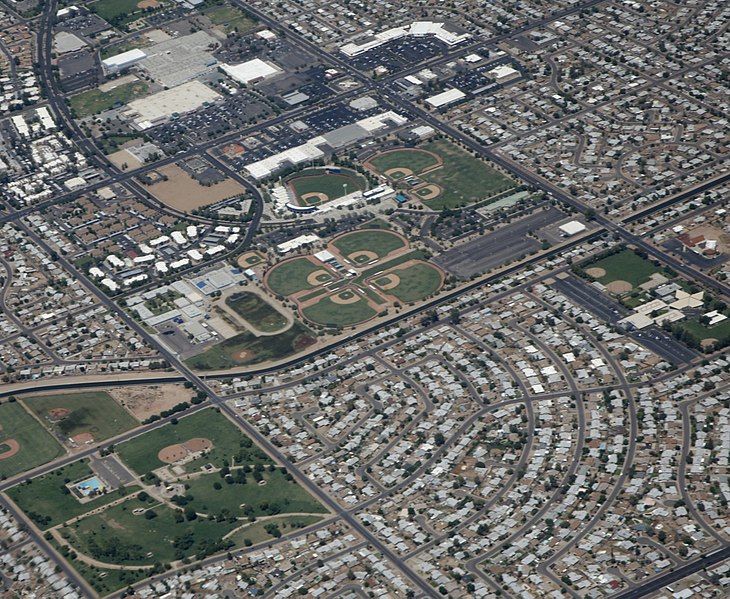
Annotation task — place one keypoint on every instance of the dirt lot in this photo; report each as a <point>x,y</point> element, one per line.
<point>182,192</point>
<point>144,402</point>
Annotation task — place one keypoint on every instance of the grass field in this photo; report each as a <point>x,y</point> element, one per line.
<point>246,348</point>
<point>463,178</point>
<point>258,313</point>
<point>229,443</point>
<point>257,532</point>
<point>289,277</point>
<point>416,282</point>
<point>230,18</point>
<point>320,181</point>
<point>700,332</point>
<point>372,240</point>
<point>36,445</point>
<point>412,159</point>
<point>93,412</point>
<point>95,101</point>
<point>48,503</point>
<point>117,12</point>
<point>277,496</point>
<point>627,266</point>
<point>117,536</point>
<point>328,313</point>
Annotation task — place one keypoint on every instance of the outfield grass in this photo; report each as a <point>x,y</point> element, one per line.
<point>258,313</point>
<point>328,313</point>
<point>378,241</point>
<point>229,443</point>
<point>47,501</point>
<point>414,159</point>
<point>416,282</point>
<point>627,266</point>
<point>247,348</point>
<point>700,332</point>
<point>277,496</point>
<point>290,277</point>
<point>117,536</point>
<point>320,181</point>
<point>95,101</point>
<point>257,532</point>
<point>94,412</point>
<point>464,178</point>
<point>37,446</point>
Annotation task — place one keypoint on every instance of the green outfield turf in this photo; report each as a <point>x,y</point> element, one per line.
<point>229,443</point>
<point>47,501</point>
<point>258,313</point>
<point>463,178</point>
<point>627,266</point>
<point>246,348</point>
<point>95,101</point>
<point>328,313</point>
<point>416,282</point>
<point>93,412</point>
<point>23,434</point>
<point>377,241</point>
<point>413,159</point>
<point>290,276</point>
<point>330,184</point>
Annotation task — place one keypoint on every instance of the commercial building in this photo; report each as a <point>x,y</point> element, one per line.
<point>119,62</point>
<point>251,71</point>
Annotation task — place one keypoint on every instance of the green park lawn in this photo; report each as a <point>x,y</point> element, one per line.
<point>416,282</point>
<point>246,348</point>
<point>47,501</point>
<point>290,276</point>
<point>229,443</point>
<point>258,313</point>
<point>258,532</point>
<point>328,313</point>
<point>378,241</point>
<point>230,18</point>
<point>95,101</point>
<point>118,536</point>
<point>94,412</point>
<point>278,496</point>
<point>36,445</point>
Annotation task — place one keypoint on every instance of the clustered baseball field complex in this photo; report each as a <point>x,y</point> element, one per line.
<point>195,487</point>
<point>356,278</point>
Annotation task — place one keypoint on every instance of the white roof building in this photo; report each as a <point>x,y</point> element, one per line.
<point>572,227</point>
<point>445,98</point>
<point>118,62</point>
<point>251,71</point>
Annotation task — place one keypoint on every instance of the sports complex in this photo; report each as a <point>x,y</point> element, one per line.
<point>315,186</point>
<point>357,277</point>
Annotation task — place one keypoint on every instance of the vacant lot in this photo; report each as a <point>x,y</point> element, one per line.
<point>376,241</point>
<point>144,401</point>
<point>48,503</point>
<point>246,348</point>
<point>71,414</point>
<point>258,313</point>
<point>95,101</point>
<point>183,192</point>
<point>229,443</point>
<point>24,443</point>
<point>230,18</point>
<point>290,277</point>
